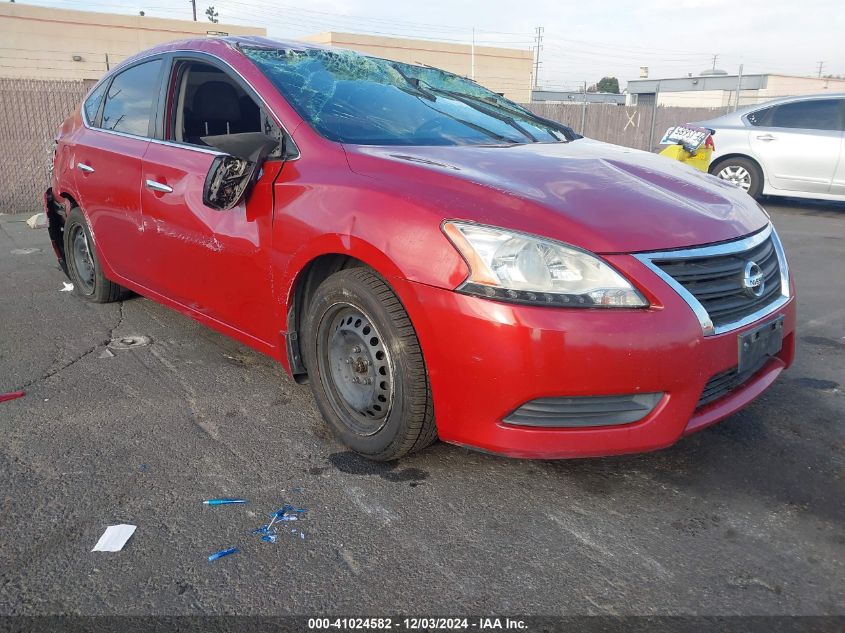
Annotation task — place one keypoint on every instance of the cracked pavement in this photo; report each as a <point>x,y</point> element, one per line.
<point>743,518</point>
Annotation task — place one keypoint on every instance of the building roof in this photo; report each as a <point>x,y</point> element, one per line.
<point>752,81</point>
<point>576,96</point>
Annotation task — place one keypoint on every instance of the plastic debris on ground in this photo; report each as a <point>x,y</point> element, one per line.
<point>269,533</point>
<point>114,538</point>
<point>66,287</point>
<point>222,553</point>
<point>12,395</point>
<point>282,514</point>
<point>223,502</point>
<point>37,221</point>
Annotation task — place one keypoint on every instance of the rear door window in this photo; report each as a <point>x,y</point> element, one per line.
<point>818,114</point>
<point>760,118</point>
<point>129,103</point>
<point>93,103</point>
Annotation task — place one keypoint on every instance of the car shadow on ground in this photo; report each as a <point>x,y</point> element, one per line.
<point>782,449</point>
<point>804,206</point>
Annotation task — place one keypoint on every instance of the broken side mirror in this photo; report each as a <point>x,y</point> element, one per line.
<point>232,174</point>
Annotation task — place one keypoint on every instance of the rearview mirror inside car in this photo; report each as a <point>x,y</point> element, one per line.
<point>234,172</point>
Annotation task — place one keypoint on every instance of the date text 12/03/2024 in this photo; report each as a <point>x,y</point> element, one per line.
<point>411,624</point>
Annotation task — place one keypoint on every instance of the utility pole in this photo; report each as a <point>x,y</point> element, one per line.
<point>653,117</point>
<point>538,44</point>
<point>738,87</point>
<point>584,111</point>
<point>715,57</point>
<point>821,65</point>
<point>472,66</point>
<point>194,5</point>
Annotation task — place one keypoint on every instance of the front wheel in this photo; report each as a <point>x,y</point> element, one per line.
<point>742,172</point>
<point>366,367</point>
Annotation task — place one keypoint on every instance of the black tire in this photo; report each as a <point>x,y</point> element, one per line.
<point>83,265</point>
<point>735,169</point>
<point>391,416</point>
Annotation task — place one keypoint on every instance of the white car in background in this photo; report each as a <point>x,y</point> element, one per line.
<point>787,147</point>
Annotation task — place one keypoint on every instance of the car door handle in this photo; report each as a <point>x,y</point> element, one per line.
<point>158,186</point>
<point>86,168</point>
<point>766,137</point>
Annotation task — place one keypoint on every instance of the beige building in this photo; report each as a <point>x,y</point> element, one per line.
<point>503,70</point>
<point>720,90</point>
<point>49,43</point>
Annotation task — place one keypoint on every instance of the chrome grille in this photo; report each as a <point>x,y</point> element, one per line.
<point>717,281</point>
<point>710,279</point>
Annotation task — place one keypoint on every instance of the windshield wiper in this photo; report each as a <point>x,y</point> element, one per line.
<point>567,132</point>
<point>414,83</point>
<point>476,106</point>
<point>429,96</point>
<point>478,128</point>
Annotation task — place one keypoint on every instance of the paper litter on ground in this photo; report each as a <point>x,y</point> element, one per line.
<point>114,538</point>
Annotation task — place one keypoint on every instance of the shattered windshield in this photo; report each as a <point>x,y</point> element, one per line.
<point>351,98</point>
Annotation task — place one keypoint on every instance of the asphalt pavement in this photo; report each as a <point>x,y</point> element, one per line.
<point>744,518</point>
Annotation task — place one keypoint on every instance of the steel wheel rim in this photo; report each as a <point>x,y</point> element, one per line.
<point>737,175</point>
<point>83,262</point>
<point>356,369</point>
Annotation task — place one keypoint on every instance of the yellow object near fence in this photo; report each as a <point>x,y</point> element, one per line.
<point>700,159</point>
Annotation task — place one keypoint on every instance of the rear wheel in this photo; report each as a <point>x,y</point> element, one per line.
<point>83,266</point>
<point>366,366</point>
<point>742,172</point>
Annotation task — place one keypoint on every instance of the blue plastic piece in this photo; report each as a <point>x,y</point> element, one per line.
<point>223,502</point>
<point>222,553</point>
<point>282,514</point>
<point>269,538</point>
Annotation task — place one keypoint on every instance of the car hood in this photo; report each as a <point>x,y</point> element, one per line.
<point>603,197</point>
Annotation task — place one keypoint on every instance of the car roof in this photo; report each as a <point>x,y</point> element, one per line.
<point>733,117</point>
<point>223,46</point>
<point>829,95</point>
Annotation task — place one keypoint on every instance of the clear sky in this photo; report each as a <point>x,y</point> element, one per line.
<point>583,39</point>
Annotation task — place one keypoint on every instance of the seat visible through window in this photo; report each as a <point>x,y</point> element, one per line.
<point>212,104</point>
<point>216,109</point>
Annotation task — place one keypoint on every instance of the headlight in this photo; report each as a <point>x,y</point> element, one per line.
<point>511,266</point>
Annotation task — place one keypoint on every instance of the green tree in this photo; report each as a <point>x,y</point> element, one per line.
<point>608,84</point>
<point>212,15</point>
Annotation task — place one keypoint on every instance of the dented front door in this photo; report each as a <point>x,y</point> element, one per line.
<point>213,262</point>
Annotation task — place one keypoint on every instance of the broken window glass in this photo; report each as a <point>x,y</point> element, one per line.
<point>352,98</point>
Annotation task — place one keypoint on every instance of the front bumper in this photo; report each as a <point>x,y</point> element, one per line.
<point>485,359</point>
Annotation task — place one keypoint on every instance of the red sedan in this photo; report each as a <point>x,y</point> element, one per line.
<point>435,260</point>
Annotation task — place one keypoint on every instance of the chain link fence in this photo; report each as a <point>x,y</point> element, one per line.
<point>31,111</point>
